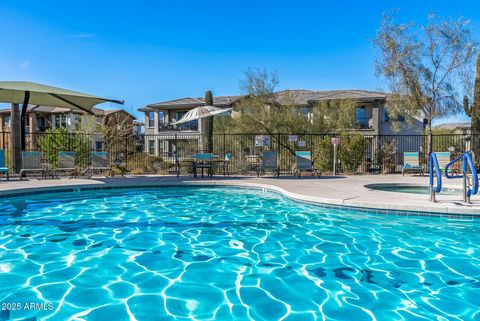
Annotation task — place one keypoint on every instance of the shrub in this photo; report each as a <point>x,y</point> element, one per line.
<point>323,155</point>
<point>351,151</point>
<point>155,164</point>
<point>137,171</point>
<point>59,139</point>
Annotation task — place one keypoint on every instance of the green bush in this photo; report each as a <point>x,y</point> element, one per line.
<point>351,151</point>
<point>59,139</point>
<point>323,155</point>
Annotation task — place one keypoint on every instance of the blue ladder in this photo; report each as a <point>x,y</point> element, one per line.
<point>435,169</point>
<point>467,162</point>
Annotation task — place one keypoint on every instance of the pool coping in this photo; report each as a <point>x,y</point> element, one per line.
<point>363,206</point>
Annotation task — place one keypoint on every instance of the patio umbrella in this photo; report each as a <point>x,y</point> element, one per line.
<point>201,112</point>
<point>204,112</point>
<point>23,92</point>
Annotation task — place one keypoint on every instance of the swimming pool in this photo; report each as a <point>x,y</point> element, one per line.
<point>209,253</point>
<point>411,189</point>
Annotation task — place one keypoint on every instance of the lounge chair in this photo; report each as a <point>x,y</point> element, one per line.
<point>3,168</point>
<point>411,163</point>
<point>303,160</point>
<point>66,163</point>
<point>269,162</point>
<point>32,162</point>
<point>99,162</point>
<point>203,161</point>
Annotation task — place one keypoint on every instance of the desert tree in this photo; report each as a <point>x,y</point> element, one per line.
<point>473,110</point>
<point>264,110</point>
<point>424,66</point>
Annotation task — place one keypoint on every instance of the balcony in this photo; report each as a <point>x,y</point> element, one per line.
<point>169,127</point>
<point>363,123</point>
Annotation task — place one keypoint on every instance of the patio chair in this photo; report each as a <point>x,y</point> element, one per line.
<point>120,163</point>
<point>3,168</point>
<point>253,163</point>
<point>269,162</point>
<point>411,163</point>
<point>303,163</point>
<point>203,161</point>
<point>66,163</point>
<point>32,162</point>
<point>225,163</point>
<point>99,162</point>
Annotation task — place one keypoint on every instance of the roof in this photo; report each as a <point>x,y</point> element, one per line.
<point>114,111</point>
<point>181,102</point>
<point>300,97</point>
<point>44,109</point>
<point>466,125</point>
<point>308,97</point>
<point>60,110</point>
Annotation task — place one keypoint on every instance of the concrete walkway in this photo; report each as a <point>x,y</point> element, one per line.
<point>349,191</point>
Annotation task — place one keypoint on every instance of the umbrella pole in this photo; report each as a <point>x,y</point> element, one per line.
<point>22,119</point>
<point>15,148</point>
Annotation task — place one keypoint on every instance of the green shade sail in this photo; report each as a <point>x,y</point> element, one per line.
<point>39,94</point>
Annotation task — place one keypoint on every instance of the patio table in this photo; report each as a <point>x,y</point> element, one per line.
<point>202,162</point>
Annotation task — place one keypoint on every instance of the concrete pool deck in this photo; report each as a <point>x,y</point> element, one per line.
<point>340,190</point>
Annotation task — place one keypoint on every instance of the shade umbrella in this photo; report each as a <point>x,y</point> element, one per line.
<point>23,92</point>
<point>201,112</point>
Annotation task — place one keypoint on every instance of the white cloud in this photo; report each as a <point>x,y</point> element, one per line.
<point>24,64</point>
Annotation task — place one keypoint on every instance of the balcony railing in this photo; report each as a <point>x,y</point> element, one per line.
<point>190,126</point>
<point>363,123</point>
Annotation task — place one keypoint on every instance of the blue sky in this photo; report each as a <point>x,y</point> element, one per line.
<point>148,51</point>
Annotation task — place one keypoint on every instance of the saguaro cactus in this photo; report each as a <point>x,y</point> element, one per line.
<point>208,98</point>
<point>473,111</point>
<point>208,123</point>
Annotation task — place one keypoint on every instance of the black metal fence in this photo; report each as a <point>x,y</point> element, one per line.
<point>169,153</point>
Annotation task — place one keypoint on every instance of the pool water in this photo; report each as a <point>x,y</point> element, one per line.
<point>204,253</point>
<point>411,189</point>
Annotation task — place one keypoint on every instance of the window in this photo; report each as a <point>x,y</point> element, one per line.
<point>361,117</point>
<point>160,147</point>
<point>179,115</point>
<point>99,145</point>
<point>78,121</point>
<point>151,119</point>
<point>161,117</point>
<point>60,121</point>
<point>6,121</point>
<point>388,118</point>
<point>307,112</point>
<point>151,147</point>
<point>41,123</point>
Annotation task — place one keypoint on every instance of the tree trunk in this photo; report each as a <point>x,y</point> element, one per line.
<point>430,137</point>
<point>16,144</point>
<point>475,113</point>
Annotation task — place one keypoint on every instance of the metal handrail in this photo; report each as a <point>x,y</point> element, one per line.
<point>469,191</point>
<point>438,173</point>
<point>467,161</point>
<point>447,167</point>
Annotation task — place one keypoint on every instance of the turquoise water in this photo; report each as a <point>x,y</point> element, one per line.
<point>412,189</point>
<point>229,254</point>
